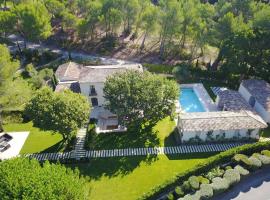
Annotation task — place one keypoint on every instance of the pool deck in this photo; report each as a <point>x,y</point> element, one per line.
<point>203,96</point>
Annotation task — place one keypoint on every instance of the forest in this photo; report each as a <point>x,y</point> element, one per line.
<point>233,35</point>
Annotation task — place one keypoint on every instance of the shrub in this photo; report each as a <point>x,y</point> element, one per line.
<point>219,185</point>
<point>195,196</point>
<point>255,163</point>
<point>228,167</point>
<point>206,191</point>
<point>242,160</point>
<point>14,116</point>
<point>266,153</point>
<point>170,196</point>
<point>264,159</point>
<point>204,167</point>
<point>179,192</point>
<point>242,171</point>
<point>186,186</point>
<point>232,176</point>
<point>163,69</point>
<point>194,182</point>
<point>203,180</point>
<point>215,172</point>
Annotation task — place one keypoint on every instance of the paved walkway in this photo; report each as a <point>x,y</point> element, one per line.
<point>79,151</point>
<point>256,186</point>
<point>182,149</point>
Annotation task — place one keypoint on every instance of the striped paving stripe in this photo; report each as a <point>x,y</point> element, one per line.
<point>182,149</point>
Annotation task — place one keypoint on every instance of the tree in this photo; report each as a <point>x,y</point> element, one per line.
<point>169,22</point>
<point>8,68</point>
<point>182,72</point>
<point>225,29</point>
<point>21,178</point>
<point>149,21</point>
<point>130,13</point>
<point>247,53</point>
<point>7,21</point>
<point>111,16</point>
<point>62,112</point>
<point>87,26</point>
<point>140,97</point>
<point>33,20</point>
<point>15,95</point>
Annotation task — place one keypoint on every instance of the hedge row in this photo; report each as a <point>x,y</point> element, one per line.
<point>158,68</point>
<point>207,165</point>
<point>12,116</point>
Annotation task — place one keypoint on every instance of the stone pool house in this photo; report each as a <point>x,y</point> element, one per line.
<point>232,117</point>
<point>89,81</point>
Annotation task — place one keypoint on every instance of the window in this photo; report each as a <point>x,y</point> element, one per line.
<point>92,91</point>
<point>94,102</point>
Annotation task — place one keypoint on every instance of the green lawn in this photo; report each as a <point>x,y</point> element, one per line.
<point>159,135</point>
<point>38,140</point>
<point>129,177</point>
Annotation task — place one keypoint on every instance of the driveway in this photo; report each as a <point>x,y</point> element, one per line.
<point>74,54</point>
<point>254,187</point>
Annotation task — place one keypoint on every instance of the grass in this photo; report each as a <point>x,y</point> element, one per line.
<point>266,132</point>
<point>129,177</point>
<point>38,140</point>
<point>159,135</point>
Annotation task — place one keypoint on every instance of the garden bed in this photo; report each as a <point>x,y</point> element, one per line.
<point>162,190</point>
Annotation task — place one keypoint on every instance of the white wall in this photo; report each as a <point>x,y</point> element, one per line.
<point>258,107</point>
<point>85,90</point>
<point>219,135</point>
<point>262,112</point>
<point>244,92</point>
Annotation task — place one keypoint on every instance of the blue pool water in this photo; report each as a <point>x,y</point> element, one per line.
<point>189,101</point>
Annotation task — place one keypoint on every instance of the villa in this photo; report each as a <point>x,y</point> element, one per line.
<point>89,81</point>
<point>229,118</point>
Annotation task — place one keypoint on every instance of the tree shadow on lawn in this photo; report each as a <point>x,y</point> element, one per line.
<point>57,147</point>
<point>113,166</point>
<point>133,138</point>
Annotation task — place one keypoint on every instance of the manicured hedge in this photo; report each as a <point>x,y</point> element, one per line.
<point>242,171</point>
<point>255,163</point>
<point>232,176</point>
<point>215,172</point>
<point>206,191</point>
<point>219,185</point>
<point>208,164</point>
<point>158,68</point>
<point>178,192</point>
<point>266,153</point>
<point>264,159</point>
<point>194,182</point>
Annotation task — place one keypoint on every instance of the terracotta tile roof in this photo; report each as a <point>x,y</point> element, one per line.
<point>226,120</point>
<point>260,90</point>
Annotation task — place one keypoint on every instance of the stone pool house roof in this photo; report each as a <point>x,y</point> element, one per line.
<point>234,114</point>
<point>259,89</point>
<point>231,100</point>
<point>221,120</point>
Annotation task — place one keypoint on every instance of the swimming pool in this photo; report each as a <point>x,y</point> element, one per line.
<point>189,101</point>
